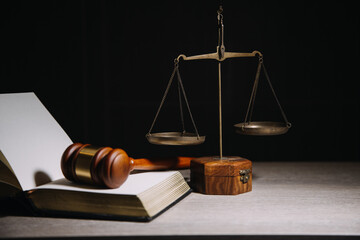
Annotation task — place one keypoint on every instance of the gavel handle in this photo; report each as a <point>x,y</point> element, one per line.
<point>162,163</point>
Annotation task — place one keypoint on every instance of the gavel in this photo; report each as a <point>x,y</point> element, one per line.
<point>108,167</point>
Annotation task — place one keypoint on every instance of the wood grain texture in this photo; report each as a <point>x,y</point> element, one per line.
<point>164,163</point>
<point>220,185</point>
<point>220,177</point>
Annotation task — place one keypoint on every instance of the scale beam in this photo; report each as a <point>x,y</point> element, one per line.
<point>216,56</point>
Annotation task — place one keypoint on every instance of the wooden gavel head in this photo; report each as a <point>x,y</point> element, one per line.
<point>102,166</point>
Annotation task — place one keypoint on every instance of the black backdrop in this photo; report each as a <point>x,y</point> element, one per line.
<point>101,67</point>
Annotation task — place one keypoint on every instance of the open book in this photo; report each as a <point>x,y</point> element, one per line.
<point>31,145</point>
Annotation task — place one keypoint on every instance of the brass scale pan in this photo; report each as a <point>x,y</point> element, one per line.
<point>175,138</point>
<point>261,128</point>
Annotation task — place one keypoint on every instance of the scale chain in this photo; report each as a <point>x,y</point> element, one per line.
<point>277,100</point>
<point>254,97</point>
<point>163,99</point>
<point>186,101</point>
<point>181,108</point>
<point>253,94</point>
<point>180,87</point>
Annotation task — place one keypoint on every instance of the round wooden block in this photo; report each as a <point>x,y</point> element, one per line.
<point>226,176</point>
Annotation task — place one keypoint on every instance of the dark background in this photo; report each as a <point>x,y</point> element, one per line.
<point>101,68</point>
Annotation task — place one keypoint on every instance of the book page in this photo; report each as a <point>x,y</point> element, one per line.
<point>30,139</point>
<point>134,185</point>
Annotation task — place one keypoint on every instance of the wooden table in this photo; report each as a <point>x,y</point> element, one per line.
<point>304,200</point>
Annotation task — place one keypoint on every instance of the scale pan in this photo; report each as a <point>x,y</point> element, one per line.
<point>262,128</point>
<point>175,138</point>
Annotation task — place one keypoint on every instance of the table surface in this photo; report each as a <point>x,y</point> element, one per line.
<point>298,200</point>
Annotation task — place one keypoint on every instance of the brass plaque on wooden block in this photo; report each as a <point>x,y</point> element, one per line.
<point>226,176</point>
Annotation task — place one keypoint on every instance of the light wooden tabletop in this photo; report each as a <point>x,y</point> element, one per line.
<point>289,200</point>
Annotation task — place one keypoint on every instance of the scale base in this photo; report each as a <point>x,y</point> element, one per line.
<point>226,176</point>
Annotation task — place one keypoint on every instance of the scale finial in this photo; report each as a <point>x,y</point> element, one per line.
<point>221,47</point>
<point>220,10</point>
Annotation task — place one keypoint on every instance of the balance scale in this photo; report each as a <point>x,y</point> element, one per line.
<point>219,174</point>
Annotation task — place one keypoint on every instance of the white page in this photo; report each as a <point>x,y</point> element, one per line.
<point>134,185</point>
<point>30,138</point>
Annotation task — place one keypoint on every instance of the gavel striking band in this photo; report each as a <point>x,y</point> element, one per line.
<point>105,166</point>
